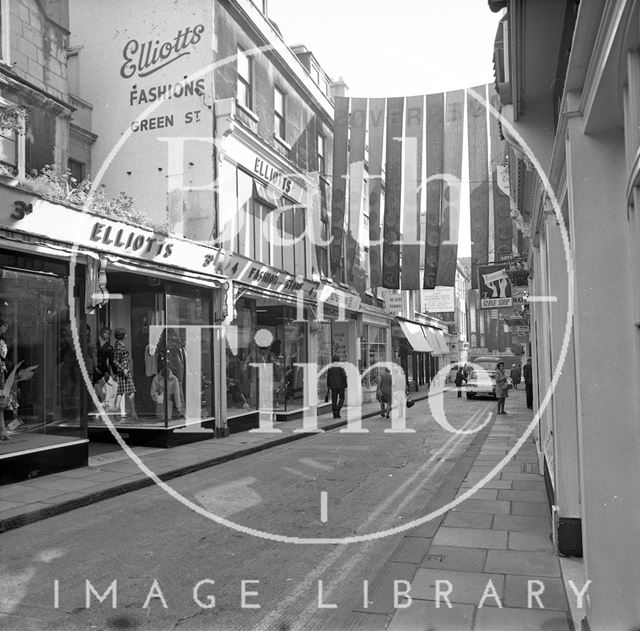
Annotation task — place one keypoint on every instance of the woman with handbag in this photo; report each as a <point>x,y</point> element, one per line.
<point>502,392</point>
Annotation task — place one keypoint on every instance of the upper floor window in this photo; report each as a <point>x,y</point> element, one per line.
<point>321,155</point>
<point>12,136</point>
<point>245,79</point>
<point>5,42</point>
<point>278,113</point>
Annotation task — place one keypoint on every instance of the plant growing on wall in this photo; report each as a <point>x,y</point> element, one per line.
<point>13,117</point>
<point>58,185</point>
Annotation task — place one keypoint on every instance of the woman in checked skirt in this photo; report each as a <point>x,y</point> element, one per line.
<point>122,363</point>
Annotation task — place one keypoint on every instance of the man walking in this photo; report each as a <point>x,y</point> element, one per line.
<point>528,382</point>
<point>337,383</point>
<point>460,379</point>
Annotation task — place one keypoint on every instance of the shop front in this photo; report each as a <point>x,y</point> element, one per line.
<point>336,326</point>
<point>43,423</point>
<point>273,320</point>
<point>414,351</point>
<point>101,322</point>
<point>375,347</point>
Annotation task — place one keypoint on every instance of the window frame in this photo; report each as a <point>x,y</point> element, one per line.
<point>321,154</point>
<point>5,32</point>
<point>19,139</point>
<point>279,117</point>
<point>246,82</point>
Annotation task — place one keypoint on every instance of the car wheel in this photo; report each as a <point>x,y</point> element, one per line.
<point>470,395</point>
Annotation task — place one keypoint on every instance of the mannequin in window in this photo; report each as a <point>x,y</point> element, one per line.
<point>122,364</point>
<point>177,358</point>
<point>104,374</point>
<point>173,393</point>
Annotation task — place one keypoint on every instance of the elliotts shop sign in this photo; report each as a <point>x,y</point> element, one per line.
<point>145,58</point>
<point>36,217</point>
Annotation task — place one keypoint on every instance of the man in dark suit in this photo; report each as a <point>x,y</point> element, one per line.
<point>527,372</point>
<point>337,383</point>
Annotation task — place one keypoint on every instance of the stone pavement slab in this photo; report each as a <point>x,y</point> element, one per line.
<point>459,587</point>
<point>520,590</point>
<point>535,564</point>
<point>471,538</point>
<point>423,615</point>
<point>534,541</point>
<point>453,558</point>
<point>467,519</point>
<point>517,619</point>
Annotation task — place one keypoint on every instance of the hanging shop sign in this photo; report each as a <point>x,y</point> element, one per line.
<point>336,297</point>
<point>495,286</point>
<point>30,215</point>
<point>393,302</point>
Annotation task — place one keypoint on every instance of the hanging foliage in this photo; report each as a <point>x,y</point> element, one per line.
<point>13,118</point>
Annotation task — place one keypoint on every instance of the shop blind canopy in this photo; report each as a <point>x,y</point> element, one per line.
<point>437,341</point>
<point>415,336</point>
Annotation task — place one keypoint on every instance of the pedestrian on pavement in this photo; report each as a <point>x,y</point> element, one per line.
<point>385,392</point>
<point>460,378</point>
<point>502,391</point>
<point>337,383</point>
<point>528,382</point>
<point>516,375</point>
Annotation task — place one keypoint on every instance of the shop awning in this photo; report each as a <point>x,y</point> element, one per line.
<point>436,340</point>
<point>415,336</point>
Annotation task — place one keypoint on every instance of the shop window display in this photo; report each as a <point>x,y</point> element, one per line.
<point>157,386</point>
<point>373,350</point>
<point>287,346</point>
<point>41,382</point>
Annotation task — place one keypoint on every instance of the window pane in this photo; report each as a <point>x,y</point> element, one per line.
<point>287,237</point>
<point>189,393</point>
<point>245,219</point>
<point>299,247</point>
<point>243,65</point>
<point>8,154</point>
<point>279,101</point>
<point>262,233</point>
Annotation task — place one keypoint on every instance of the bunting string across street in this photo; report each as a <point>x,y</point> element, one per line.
<point>397,188</point>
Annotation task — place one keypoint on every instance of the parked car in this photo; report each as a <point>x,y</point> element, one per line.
<point>481,381</point>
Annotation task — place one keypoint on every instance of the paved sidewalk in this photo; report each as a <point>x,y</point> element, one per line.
<point>489,545</point>
<point>32,500</point>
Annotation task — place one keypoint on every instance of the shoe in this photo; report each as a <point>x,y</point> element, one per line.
<point>387,416</point>
<point>382,414</point>
<point>338,416</point>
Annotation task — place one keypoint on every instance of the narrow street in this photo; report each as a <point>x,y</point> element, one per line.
<point>373,481</point>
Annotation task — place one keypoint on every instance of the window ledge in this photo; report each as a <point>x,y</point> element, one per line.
<point>282,142</point>
<point>245,110</point>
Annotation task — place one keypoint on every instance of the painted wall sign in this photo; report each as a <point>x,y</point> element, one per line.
<point>145,58</point>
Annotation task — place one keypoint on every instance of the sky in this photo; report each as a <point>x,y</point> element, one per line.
<point>400,48</point>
